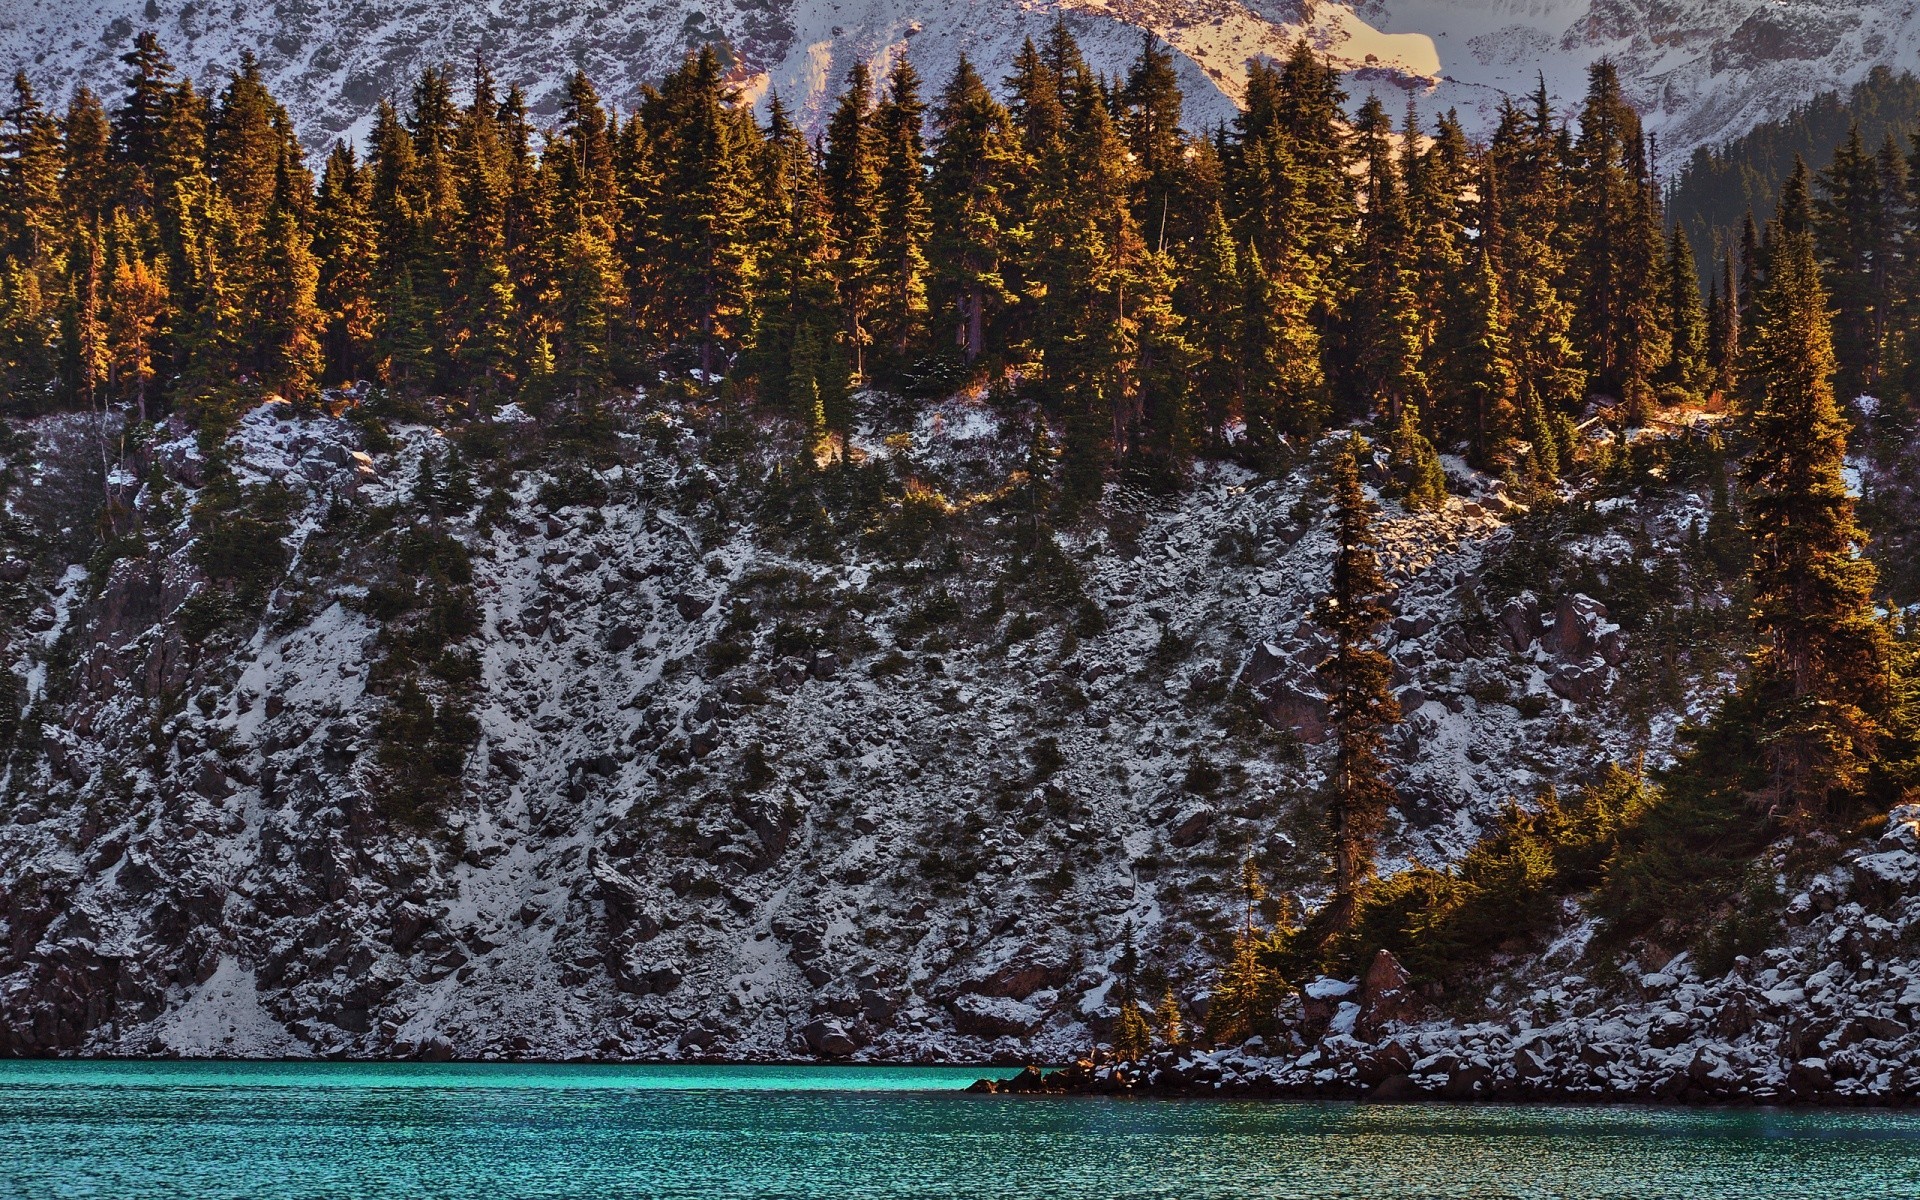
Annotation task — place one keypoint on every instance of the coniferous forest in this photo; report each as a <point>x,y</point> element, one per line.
<point>1153,295</point>
<point>1166,292</point>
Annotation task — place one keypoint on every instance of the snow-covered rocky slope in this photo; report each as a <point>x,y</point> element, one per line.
<point>1831,1015</point>
<point>737,790</point>
<point>1703,70</point>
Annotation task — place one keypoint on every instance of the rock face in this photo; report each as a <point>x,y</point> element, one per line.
<point>725,796</point>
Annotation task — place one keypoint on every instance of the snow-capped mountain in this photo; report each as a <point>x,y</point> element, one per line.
<point>1702,69</point>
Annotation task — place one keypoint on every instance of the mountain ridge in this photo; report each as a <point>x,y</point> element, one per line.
<point>1701,73</point>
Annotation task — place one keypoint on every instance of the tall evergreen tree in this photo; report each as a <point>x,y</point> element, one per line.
<point>701,147</point>
<point>1820,673</point>
<point>1687,370</point>
<point>1357,677</point>
<point>853,181</point>
<point>1617,213</point>
<point>902,211</point>
<point>974,164</point>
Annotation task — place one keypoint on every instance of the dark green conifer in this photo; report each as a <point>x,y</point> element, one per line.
<point>1357,677</point>
<point>1820,675</point>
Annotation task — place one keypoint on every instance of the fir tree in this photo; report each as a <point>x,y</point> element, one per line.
<point>140,125</point>
<point>706,267</point>
<point>902,212</point>
<point>853,180</point>
<point>1617,213</point>
<point>1212,294</point>
<point>1357,677</point>
<point>1475,369</point>
<point>1418,477</point>
<point>1151,106</point>
<point>1687,371</point>
<point>1132,1036</point>
<point>1819,677</point>
<point>1249,990</point>
<point>974,162</point>
<point>1723,332</point>
<point>343,240</point>
<point>1854,237</point>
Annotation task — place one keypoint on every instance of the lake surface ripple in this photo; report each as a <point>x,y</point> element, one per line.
<point>269,1131</point>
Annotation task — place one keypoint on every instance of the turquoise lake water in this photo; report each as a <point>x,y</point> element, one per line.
<point>414,1131</point>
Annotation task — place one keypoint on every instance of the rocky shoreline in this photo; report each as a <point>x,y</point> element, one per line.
<point>1385,1075</point>
<point>1831,1017</point>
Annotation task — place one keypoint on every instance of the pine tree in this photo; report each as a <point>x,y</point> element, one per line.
<point>794,299</point>
<point>1249,991</point>
<point>1723,332</point>
<point>397,212</point>
<point>1853,235</point>
<point>700,147</point>
<point>1619,257</point>
<point>91,358</point>
<point>343,241</point>
<point>974,162</point>
<point>1418,477</point>
<point>483,308</point>
<point>1132,1036</point>
<point>1285,393</point>
<point>1212,295</point>
<point>1357,677</point>
<point>1820,674</point>
<point>853,180</point>
<point>285,318</point>
<point>1093,345</point>
<point>136,307</point>
<point>1476,381</point>
<point>1687,372</point>
<point>1391,336</point>
<point>1169,1023</point>
<point>32,247</point>
<point>1151,106</point>
<point>902,212</point>
<point>1169,428</point>
<point>140,126</point>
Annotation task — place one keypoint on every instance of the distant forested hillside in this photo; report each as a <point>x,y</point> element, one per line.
<point>1718,187</point>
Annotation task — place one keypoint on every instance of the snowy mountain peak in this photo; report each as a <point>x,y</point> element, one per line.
<point>1701,71</point>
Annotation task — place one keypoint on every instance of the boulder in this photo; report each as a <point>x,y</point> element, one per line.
<point>691,605</point>
<point>1809,1079</point>
<point>1578,622</point>
<point>1301,712</point>
<point>1410,626</point>
<point>1190,826</point>
<point>1268,663</point>
<point>1387,998</point>
<point>1395,1089</point>
<point>1612,643</point>
<point>825,665</point>
<point>1519,622</point>
<point>1579,683</point>
<point>828,1037</point>
<point>993,1016</point>
<point>1667,1030</point>
<point>1022,975</point>
<point>1883,878</point>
